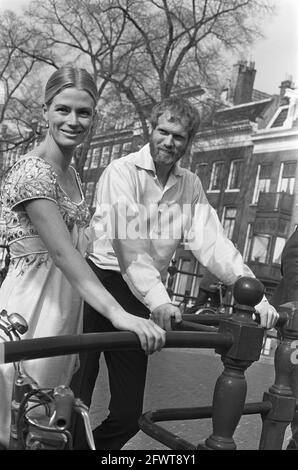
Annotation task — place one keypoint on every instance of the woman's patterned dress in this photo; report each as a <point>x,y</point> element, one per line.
<point>34,286</point>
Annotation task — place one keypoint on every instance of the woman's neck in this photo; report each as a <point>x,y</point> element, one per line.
<point>59,158</point>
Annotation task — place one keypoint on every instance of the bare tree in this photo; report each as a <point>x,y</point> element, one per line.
<point>18,105</point>
<point>148,49</point>
<point>181,44</point>
<point>140,51</point>
<point>84,32</point>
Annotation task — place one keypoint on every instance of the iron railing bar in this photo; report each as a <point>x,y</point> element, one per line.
<point>70,344</point>
<point>148,420</point>
<point>192,326</point>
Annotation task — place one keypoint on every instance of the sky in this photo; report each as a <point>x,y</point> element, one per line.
<point>275,56</point>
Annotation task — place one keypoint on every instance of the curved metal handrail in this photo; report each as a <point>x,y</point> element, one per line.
<point>69,344</point>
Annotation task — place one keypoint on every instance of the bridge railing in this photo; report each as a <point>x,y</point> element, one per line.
<point>237,338</point>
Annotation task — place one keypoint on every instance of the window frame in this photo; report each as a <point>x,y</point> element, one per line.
<point>257,190</point>
<point>230,177</point>
<point>219,163</point>
<point>225,219</point>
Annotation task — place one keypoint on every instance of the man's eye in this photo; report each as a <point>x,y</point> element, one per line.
<point>85,113</point>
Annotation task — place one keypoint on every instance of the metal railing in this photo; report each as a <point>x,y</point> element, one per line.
<point>237,338</point>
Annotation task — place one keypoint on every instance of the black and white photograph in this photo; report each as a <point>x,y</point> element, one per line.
<point>148,228</point>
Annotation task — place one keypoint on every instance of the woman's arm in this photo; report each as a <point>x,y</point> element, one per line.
<point>47,220</point>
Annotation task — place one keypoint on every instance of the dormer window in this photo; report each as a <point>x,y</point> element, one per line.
<point>279,118</point>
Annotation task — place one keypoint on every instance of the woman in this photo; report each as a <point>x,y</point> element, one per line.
<point>46,216</point>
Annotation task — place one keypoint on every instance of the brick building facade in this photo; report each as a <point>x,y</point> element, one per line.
<point>247,162</point>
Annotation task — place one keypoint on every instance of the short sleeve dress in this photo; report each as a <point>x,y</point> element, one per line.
<point>34,286</point>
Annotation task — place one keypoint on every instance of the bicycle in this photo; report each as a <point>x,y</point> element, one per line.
<point>207,307</point>
<point>40,417</point>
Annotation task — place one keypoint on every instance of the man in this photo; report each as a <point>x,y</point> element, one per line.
<point>146,204</point>
<point>287,291</point>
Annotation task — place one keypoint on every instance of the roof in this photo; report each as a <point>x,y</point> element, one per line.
<point>243,111</point>
<point>258,95</point>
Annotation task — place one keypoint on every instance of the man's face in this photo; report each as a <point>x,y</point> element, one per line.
<point>169,140</point>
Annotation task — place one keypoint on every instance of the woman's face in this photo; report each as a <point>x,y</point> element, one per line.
<point>70,116</point>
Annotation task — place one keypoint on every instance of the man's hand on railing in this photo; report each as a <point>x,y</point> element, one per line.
<point>268,314</point>
<point>164,314</point>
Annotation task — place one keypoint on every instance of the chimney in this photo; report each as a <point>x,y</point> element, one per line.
<point>287,83</point>
<point>242,82</point>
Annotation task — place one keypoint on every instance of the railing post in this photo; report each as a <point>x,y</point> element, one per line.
<point>231,387</point>
<point>283,392</point>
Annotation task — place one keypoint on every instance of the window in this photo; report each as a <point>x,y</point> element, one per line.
<point>89,192</point>
<point>216,176</point>
<point>7,158</point>
<point>201,170</point>
<point>105,158</point>
<point>95,157</point>
<point>126,148</point>
<point>182,280</point>
<point>3,253</point>
<point>262,181</point>
<point>260,248</point>
<point>278,248</point>
<point>195,281</point>
<point>93,198</point>
<point>13,155</point>
<point>247,243</point>
<point>115,151</point>
<point>118,124</point>
<point>235,175</point>
<point>88,159</point>
<point>286,180</point>
<point>228,221</point>
<point>280,117</point>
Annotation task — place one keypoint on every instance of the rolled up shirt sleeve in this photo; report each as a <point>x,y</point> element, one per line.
<point>209,244</point>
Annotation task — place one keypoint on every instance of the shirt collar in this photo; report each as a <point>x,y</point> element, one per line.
<point>145,161</point>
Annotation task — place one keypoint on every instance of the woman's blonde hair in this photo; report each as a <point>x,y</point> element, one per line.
<point>69,76</point>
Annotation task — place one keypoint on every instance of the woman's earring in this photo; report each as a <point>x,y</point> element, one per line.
<point>47,124</point>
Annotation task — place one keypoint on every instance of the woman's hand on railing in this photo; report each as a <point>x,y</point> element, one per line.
<point>152,337</point>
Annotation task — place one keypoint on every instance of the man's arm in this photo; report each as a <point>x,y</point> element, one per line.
<point>215,251</point>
